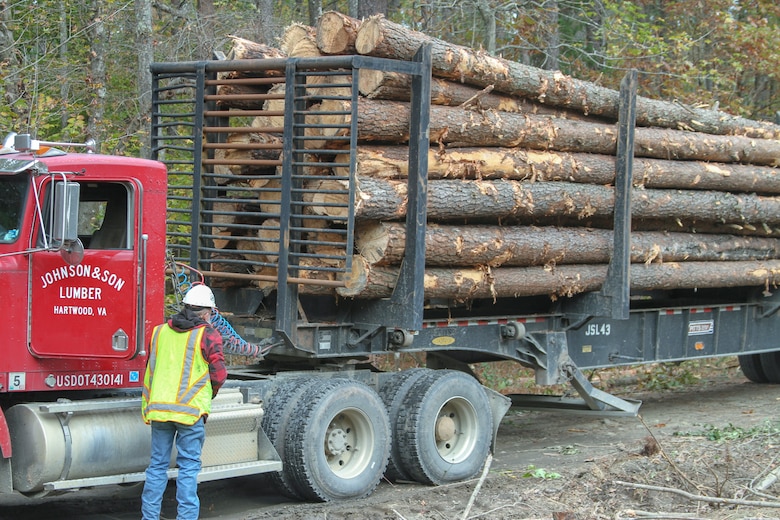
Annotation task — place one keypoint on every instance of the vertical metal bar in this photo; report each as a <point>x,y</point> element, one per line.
<point>408,295</point>
<point>287,294</point>
<point>197,163</point>
<point>617,286</point>
<point>155,119</point>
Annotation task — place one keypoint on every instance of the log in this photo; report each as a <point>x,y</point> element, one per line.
<point>330,244</point>
<point>380,37</point>
<point>391,162</point>
<point>293,34</point>
<point>241,95</point>
<point>378,84</point>
<point>305,48</point>
<point>243,49</point>
<point>336,33</point>
<point>371,282</point>
<point>451,200</point>
<point>382,243</point>
<point>253,153</point>
<point>388,122</point>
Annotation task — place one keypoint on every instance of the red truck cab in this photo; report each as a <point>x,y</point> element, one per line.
<point>82,253</point>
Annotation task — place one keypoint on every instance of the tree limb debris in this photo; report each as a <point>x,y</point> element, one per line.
<point>699,498</point>
<point>474,494</point>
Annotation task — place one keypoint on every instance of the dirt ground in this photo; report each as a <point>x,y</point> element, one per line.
<point>707,447</point>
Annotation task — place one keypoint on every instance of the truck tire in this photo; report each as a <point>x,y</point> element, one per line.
<point>276,419</point>
<point>393,392</point>
<point>444,428</point>
<point>752,368</point>
<point>338,441</point>
<point>770,366</point>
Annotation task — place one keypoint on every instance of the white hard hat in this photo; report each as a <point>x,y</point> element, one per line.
<point>200,296</point>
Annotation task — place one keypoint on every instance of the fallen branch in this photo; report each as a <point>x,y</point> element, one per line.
<point>485,470</point>
<point>677,470</point>
<point>699,498</point>
<point>490,511</point>
<point>767,481</point>
<point>635,513</point>
<point>402,517</point>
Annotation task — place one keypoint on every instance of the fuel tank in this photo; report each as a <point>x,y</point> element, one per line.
<point>70,441</point>
<point>52,441</point>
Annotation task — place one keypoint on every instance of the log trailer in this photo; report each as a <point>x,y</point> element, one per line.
<point>88,243</point>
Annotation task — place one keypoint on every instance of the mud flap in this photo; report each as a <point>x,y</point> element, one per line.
<point>499,405</point>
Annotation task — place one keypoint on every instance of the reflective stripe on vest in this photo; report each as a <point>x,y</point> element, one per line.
<point>177,385</point>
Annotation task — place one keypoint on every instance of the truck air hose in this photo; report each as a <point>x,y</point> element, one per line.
<point>233,343</point>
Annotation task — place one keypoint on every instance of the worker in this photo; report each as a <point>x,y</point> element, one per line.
<point>185,370</point>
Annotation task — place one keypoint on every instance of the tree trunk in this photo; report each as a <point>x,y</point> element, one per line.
<point>504,200</point>
<point>336,33</point>
<point>388,122</point>
<point>243,49</point>
<point>372,282</point>
<point>381,37</point>
<point>382,243</point>
<point>252,154</point>
<point>391,162</point>
<point>144,45</point>
<point>98,79</point>
<point>394,86</point>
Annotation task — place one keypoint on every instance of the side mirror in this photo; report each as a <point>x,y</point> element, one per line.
<point>66,213</point>
<point>65,232</point>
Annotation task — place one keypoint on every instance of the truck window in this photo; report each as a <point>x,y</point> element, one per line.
<point>103,216</point>
<point>13,190</point>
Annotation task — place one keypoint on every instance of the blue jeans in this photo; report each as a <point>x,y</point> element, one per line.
<point>189,443</point>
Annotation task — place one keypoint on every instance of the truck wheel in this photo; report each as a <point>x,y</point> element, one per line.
<point>444,428</point>
<point>338,441</point>
<point>393,392</point>
<point>751,367</point>
<point>276,419</point>
<point>770,366</point>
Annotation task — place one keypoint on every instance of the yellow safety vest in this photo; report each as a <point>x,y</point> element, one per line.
<point>177,386</point>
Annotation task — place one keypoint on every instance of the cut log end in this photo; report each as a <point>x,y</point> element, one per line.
<point>369,36</point>
<point>336,33</point>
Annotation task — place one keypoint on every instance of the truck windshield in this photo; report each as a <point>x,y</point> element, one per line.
<point>13,189</point>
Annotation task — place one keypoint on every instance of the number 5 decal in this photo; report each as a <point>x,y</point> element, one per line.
<point>16,381</point>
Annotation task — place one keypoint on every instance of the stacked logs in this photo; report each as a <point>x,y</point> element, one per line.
<point>521,177</point>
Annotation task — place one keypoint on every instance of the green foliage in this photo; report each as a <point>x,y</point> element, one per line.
<point>667,376</point>
<point>541,473</point>
<point>731,432</point>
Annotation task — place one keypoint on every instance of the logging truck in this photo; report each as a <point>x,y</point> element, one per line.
<point>258,185</point>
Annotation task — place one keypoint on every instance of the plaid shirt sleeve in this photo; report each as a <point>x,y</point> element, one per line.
<point>211,345</point>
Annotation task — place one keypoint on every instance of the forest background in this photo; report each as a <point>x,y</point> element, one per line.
<point>78,69</point>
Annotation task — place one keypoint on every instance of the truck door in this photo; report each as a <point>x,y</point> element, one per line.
<point>90,309</point>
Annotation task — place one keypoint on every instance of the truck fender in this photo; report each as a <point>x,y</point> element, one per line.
<point>5,437</point>
<point>6,474</point>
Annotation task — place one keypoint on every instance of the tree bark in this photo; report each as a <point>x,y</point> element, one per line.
<point>513,201</point>
<point>394,86</point>
<point>98,78</point>
<point>243,49</point>
<point>370,282</point>
<point>380,37</point>
<point>388,122</point>
<point>391,162</point>
<point>382,243</point>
